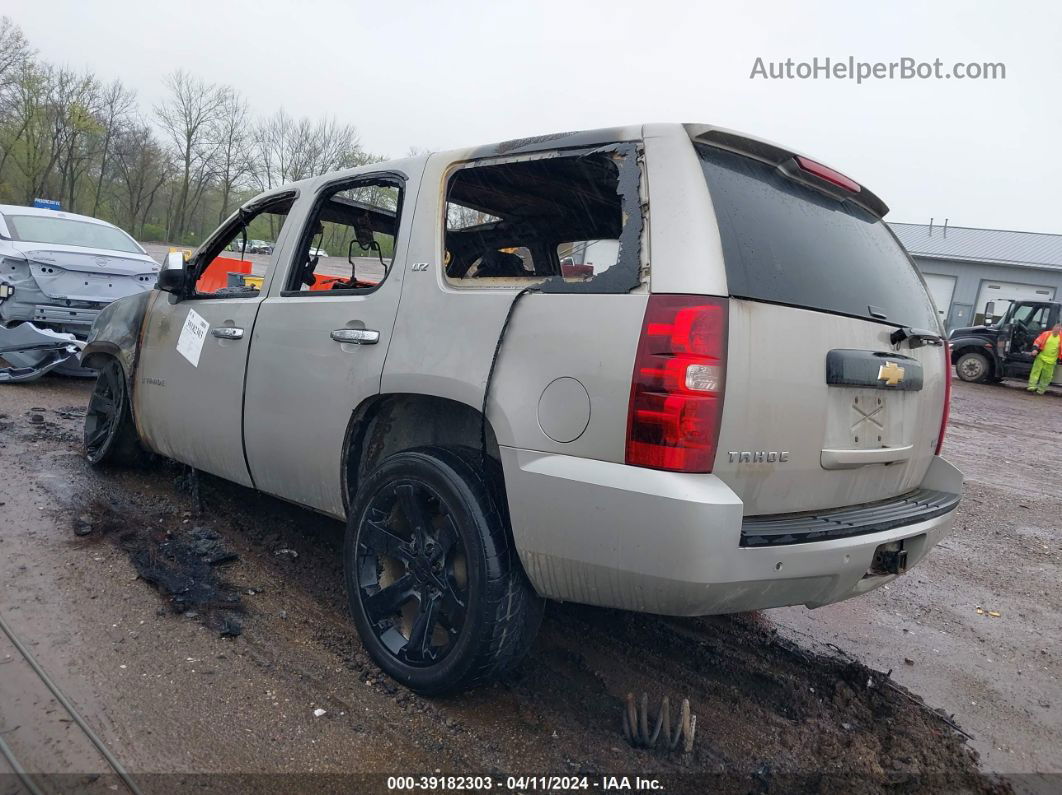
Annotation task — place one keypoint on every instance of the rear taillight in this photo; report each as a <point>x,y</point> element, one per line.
<point>828,174</point>
<point>947,397</point>
<point>677,389</point>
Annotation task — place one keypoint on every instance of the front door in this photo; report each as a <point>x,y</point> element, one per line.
<point>1025,324</point>
<point>322,334</point>
<point>188,395</point>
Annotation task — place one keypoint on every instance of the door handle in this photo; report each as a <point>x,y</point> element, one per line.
<point>358,336</point>
<point>228,333</point>
<point>852,459</point>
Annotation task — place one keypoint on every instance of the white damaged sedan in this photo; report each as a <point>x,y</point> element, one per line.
<point>57,271</point>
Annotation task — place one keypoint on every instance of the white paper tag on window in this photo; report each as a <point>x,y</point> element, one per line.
<point>193,335</point>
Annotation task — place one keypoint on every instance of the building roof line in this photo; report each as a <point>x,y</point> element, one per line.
<point>988,261</point>
<point>971,244</point>
<point>976,228</point>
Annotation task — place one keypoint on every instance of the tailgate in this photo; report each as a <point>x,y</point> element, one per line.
<point>790,441</point>
<point>822,410</point>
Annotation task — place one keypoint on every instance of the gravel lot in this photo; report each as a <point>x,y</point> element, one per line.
<point>785,699</point>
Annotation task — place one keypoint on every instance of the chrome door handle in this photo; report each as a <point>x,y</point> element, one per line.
<point>228,333</point>
<point>359,336</point>
<point>851,459</point>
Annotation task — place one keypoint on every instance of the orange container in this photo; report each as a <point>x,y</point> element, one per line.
<point>217,273</point>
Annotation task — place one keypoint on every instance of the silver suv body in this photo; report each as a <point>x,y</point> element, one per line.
<point>671,368</point>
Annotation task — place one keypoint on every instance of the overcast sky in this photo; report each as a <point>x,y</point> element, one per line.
<point>446,74</point>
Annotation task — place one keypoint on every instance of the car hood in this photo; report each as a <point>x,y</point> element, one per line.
<point>84,274</point>
<point>973,331</point>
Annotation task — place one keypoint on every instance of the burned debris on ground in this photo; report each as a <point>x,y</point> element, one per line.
<point>183,561</point>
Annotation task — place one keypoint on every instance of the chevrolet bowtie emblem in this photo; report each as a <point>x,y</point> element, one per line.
<point>891,373</point>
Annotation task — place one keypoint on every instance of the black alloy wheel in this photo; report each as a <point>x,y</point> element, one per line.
<point>412,574</point>
<point>110,436</point>
<point>433,578</point>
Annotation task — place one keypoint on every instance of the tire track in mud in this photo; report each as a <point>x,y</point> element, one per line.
<point>766,707</point>
<point>40,728</point>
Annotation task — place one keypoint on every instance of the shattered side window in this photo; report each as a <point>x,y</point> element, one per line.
<point>514,261</point>
<point>238,262</point>
<point>587,257</point>
<point>558,221</point>
<point>350,242</point>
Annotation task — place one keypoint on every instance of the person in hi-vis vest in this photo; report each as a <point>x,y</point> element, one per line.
<point>1048,352</point>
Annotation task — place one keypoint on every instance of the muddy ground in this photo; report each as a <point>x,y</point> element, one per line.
<point>226,679</point>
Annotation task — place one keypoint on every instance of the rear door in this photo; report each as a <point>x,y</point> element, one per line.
<point>822,409</point>
<point>188,395</point>
<point>322,335</point>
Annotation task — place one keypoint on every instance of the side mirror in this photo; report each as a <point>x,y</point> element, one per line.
<point>990,313</point>
<point>174,275</point>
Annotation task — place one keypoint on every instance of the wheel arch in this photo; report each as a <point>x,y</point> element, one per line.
<point>960,348</point>
<point>96,354</point>
<point>387,423</point>
<point>116,333</point>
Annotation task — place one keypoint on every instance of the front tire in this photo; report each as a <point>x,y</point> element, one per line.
<point>973,367</point>
<point>110,435</point>
<point>434,583</point>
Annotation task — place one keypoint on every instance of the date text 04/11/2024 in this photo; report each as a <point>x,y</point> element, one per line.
<point>522,783</point>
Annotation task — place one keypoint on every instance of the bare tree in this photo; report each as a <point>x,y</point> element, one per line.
<point>34,148</point>
<point>233,133</point>
<point>287,149</point>
<point>117,105</point>
<point>67,135</point>
<point>15,53</point>
<point>75,105</point>
<point>189,117</point>
<point>142,167</point>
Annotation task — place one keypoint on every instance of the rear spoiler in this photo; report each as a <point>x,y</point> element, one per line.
<point>795,166</point>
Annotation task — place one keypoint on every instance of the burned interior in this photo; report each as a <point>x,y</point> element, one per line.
<point>221,269</point>
<point>558,221</point>
<point>353,231</point>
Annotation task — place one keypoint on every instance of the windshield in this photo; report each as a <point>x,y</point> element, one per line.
<point>789,244</point>
<point>68,232</point>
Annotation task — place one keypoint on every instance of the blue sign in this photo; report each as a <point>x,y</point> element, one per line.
<point>46,204</point>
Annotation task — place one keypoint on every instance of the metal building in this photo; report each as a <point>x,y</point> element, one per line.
<point>966,268</point>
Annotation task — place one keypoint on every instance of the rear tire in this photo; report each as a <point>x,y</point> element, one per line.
<point>973,367</point>
<point>434,583</point>
<point>110,435</point>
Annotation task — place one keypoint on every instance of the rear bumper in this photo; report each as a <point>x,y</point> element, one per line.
<point>638,539</point>
<point>65,316</point>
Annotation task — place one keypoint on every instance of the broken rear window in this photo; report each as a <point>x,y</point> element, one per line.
<point>557,220</point>
<point>70,232</point>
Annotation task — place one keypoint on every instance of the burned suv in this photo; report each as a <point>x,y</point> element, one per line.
<point>665,368</point>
